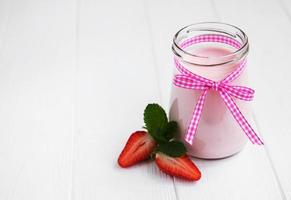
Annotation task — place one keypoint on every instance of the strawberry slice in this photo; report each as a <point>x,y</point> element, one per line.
<point>139,147</point>
<point>181,166</point>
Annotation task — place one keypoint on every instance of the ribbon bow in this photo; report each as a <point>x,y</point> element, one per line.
<point>189,80</point>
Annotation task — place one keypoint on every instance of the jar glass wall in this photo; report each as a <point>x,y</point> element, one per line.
<point>218,134</point>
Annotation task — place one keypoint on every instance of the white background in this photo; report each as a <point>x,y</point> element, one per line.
<point>75,77</point>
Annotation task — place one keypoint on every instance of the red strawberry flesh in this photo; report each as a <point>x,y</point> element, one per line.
<point>181,167</point>
<point>139,147</point>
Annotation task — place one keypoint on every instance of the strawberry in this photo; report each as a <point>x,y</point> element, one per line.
<point>181,166</point>
<point>139,147</point>
<point>160,139</point>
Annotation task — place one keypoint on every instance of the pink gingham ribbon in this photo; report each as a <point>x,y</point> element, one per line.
<point>189,80</point>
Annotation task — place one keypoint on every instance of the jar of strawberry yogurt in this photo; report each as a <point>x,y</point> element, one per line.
<point>213,51</point>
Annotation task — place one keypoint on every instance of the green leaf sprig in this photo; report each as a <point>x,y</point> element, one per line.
<point>163,131</point>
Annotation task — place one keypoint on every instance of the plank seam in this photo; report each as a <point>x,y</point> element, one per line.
<point>152,49</point>
<point>75,94</point>
<point>175,189</point>
<point>283,195</point>
<point>284,9</point>
<point>215,11</point>
<point>152,46</point>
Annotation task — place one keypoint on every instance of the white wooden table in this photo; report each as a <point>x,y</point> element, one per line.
<point>75,77</point>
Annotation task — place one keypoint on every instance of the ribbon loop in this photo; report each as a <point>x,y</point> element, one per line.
<point>239,92</point>
<point>189,82</point>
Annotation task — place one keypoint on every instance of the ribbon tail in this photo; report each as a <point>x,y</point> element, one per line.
<point>249,131</point>
<point>195,118</point>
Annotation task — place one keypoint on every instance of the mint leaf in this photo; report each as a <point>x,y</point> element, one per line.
<point>155,119</point>
<point>171,130</point>
<point>172,148</point>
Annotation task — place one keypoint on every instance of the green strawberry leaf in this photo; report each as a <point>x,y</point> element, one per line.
<point>172,148</point>
<point>155,119</point>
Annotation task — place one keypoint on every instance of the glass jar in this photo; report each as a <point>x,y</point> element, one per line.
<point>218,134</point>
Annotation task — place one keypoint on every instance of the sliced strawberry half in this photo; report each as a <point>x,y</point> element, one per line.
<point>139,147</point>
<point>181,167</point>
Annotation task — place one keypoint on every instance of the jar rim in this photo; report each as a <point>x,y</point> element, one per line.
<point>218,27</point>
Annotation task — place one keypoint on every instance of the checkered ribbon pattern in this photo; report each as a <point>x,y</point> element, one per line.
<point>188,80</point>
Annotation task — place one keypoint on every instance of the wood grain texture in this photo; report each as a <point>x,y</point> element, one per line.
<point>75,77</point>
<point>165,18</point>
<point>238,175</point>
<point>269,33</point>
<point>116,79</point>
<point>246,175</point>
<point>36,98</point>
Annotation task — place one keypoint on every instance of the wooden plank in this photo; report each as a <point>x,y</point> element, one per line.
<point>247,175</point>
<point>269,31</point>
<point>4,9</point>
<point>36,98</point>
<point>116,79</point>
<point>166,18</point>
<point>237,177</point>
